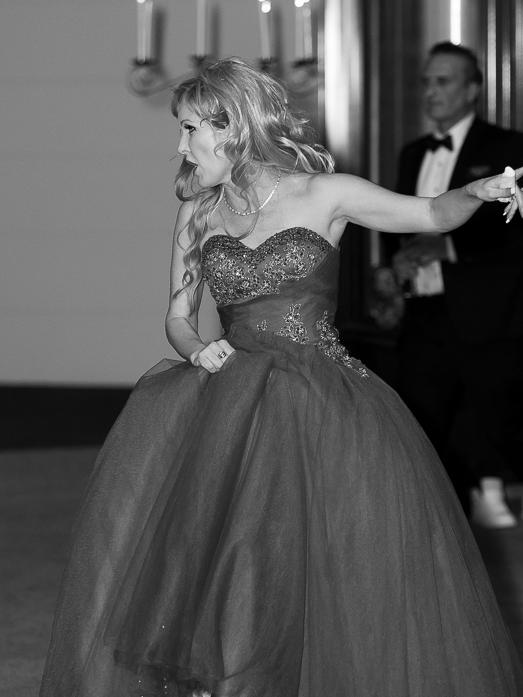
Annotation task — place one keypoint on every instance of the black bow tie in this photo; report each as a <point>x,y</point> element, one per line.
<point>434,143</point>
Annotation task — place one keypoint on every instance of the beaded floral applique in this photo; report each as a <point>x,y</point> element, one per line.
<point>293,327</point>
<point>330,345</point>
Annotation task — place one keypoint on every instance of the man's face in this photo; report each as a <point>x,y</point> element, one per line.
<point>448,93</point>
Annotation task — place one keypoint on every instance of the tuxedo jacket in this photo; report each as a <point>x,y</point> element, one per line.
<point>484,288</point>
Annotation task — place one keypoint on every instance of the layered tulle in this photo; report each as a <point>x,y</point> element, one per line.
<point>282,528</point>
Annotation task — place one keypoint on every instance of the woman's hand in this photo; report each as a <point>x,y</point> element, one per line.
<point>515,203</point>
<point>518,199</point>
<point>501,187</point>
<point>212,356</point>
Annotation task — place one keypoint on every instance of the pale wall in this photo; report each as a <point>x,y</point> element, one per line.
<point>87,203</point>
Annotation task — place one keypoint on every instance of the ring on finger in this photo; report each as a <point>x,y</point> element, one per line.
<point>222,354</point>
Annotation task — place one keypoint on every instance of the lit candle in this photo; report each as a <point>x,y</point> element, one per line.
<point>298,30</point>
<point>201,27</point>
<point>307,30</point>
<point>144,29</point>
<point>265,29</point>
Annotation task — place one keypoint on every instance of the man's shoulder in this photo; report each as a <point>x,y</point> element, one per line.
<point>478,127</point>
<point>482,132</point>
<point>494,133</point>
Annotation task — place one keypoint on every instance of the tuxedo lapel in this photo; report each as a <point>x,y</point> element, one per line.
<point>411,168</point>
<point>461,174</point>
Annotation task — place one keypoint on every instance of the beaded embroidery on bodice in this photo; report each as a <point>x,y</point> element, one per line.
<point>286,286</point>
<point>236,272</point>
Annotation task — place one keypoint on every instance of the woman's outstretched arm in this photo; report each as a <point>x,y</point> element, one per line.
<point>364,203</point>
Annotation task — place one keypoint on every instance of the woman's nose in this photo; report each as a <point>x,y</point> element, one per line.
<point>182,145</point>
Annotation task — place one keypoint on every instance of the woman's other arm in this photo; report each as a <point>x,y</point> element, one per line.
<point>181,322</point>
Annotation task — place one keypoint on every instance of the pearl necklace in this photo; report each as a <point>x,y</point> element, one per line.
<point>255,210</point>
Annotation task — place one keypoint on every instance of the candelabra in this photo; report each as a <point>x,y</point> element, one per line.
<point>147,77</point>
<point>304,76</point>
<point>268,65</point>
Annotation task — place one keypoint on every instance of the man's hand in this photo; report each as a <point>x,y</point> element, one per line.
<point>419,251</point>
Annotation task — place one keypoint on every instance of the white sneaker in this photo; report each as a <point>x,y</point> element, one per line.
<point>488,507</point>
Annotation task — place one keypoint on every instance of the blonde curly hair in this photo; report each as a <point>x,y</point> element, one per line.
<point>262,132</point>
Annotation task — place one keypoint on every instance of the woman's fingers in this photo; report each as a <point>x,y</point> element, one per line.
<point>510,210</point>
<point>515,204</point>
<point>506,184</point>
<point>518,197</point>
<point>214,355</point>
<point>515,201</point>
<point>224,347</point>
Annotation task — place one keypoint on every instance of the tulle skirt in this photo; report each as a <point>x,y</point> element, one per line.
<point>282,528</point>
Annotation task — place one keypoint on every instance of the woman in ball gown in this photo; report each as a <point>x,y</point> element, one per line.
<point>266,518</point>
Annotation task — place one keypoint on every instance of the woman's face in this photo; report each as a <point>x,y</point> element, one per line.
<point>198,143</point>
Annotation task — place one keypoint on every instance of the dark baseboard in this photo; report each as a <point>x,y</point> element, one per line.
<point>33,416</point>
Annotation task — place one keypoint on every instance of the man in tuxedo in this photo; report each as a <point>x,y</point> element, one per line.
<point>461,340</point>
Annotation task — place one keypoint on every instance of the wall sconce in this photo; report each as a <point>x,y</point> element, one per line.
<point>267,61</point>
<point>304,74</point>
<point>303,44</point>
<point>147,76</point>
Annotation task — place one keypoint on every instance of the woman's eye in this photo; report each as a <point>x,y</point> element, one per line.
<point>189,129</point>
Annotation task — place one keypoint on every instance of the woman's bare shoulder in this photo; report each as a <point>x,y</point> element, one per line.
<point>325,190</point>
<point>324,183</point>
<point>306,186</point>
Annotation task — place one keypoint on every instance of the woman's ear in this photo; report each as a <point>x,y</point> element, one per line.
<point>223,136</point>
<point>225,132</point>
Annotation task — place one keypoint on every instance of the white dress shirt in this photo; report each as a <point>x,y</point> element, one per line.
<point>433,179</point>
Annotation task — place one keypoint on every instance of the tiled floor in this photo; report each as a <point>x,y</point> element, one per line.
<point>39,492</point>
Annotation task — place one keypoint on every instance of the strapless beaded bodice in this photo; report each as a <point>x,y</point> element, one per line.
<point>235,272</point>
<point>287,287</point>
